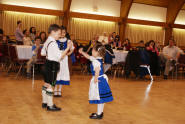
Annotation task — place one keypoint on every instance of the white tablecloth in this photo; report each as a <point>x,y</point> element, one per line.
<point>24,52</point>
<point>120,56</point>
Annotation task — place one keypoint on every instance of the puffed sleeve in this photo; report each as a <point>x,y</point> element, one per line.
<point>72,48</point>
<point>92,58</point>
<point>96,64</point>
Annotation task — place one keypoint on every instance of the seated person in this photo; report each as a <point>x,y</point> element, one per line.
<point>117,42</point>
<point>170,55</point>
<point>104,38</point>
<point>6,40</point>
<point>141,45</point>
<point>151,47</point>
<point>26,39</point>
<point>1,35</point>
<point>109,55</point>
<point>89,51</point>
<point>154,58</point>
<point>43,37</point>
<point>32,33</point>
<point>35,49</point>
<point>126,45</point>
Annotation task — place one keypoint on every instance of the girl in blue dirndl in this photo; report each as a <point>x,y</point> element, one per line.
<point>99,90</point>
<point>63,76</point>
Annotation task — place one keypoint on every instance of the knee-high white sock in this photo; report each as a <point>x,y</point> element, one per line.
<point>60,89</point>
<point>55,90</point>
<point>44,96</point>
<point>100,109</point>
<point>49,93</point>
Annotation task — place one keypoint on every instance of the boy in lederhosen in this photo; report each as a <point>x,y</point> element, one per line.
<point>51,67</point>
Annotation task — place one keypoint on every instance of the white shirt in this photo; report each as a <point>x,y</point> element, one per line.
<point>171,51</point>
<point>104,38</point>
<point>53,52</point>
<point>27,41</point>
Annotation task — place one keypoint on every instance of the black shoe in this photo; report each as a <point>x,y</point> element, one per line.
<point>44,105</point>
<point>53,108</point>
<point>165,77</point>
<point>96,116</point>
<point>57,96</point>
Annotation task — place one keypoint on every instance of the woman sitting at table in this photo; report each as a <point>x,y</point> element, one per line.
<point>154,57</point>
<point>32,33</point>
<point>126,44</point>
<point>151,47</point>
<point>26,39</point>
<point>109,55</point>
<point>43,37</point>
<point>35,49</point>
<point>117,42</point>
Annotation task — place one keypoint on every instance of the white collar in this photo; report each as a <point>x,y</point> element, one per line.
<point>63,39</point>
<point>51,38</point>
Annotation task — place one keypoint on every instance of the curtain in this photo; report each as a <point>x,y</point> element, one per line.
<point>1,23</point>
<point>41,22</point>
<point>179,36</point>
<point>85,29</point>
<point>137,32</point>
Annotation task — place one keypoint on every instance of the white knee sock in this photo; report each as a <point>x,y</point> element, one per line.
<point>49,93</point>
<point>44,96</point>
<point>55,90</point>
<point>100,109</point>
<point>60,89</point>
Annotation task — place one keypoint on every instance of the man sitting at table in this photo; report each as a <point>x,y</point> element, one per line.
<point>35,49</point>
<point>170,55</point>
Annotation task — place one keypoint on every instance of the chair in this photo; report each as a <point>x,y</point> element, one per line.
<point>5,55</point>
<point>83,62</point>
<point>118,69</point>
<point>40,59</point>
<point>180,64</point>
<point>15,60</point>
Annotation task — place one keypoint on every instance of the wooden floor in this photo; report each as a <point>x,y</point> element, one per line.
<point>19,104</point>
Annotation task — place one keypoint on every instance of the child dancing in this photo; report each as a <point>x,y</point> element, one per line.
<point>99,91</point>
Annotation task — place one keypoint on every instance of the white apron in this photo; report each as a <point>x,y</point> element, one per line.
<point>63,73</point>
<point>94,89</point>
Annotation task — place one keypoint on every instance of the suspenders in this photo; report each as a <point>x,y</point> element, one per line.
<point>47,48</point>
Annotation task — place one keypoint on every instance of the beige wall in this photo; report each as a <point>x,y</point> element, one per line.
<point>41,22</point>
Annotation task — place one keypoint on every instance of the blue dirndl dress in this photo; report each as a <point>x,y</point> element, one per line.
<point>103,94</point>
<point>63,76</point>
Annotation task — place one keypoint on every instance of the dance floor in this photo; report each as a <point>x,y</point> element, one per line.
<point>165,104</point>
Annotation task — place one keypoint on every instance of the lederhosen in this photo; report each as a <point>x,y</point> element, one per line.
<point>51,69</point>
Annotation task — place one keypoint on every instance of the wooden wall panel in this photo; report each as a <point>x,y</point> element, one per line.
<point>5,7</point>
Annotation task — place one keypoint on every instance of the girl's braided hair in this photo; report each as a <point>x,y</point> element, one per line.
<point>99,47</point>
